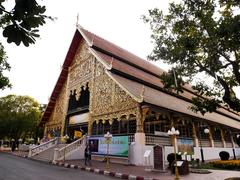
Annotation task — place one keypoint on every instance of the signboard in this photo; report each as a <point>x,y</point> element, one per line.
<point>117,147</point>
<point>185,145</point>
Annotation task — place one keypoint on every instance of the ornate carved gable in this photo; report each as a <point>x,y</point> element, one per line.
<point>109,100</point>
<point>80,71</point>
<point>57,117</point>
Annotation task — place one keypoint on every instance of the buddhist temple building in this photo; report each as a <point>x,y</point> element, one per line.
<point>104,88</point>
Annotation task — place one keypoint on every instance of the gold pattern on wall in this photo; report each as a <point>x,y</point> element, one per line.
<point>109,100</point>
<point>80,71</point>
<point>59,113</point>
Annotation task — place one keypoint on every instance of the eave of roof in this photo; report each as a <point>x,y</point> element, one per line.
<point>167,101</point>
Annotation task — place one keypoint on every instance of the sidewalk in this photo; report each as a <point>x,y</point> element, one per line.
<point>137,172</point>
<point>146,174</point>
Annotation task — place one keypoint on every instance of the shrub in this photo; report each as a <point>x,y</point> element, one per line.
<point>224,155</point>
<point>230,164</point>
<point>171,158</point>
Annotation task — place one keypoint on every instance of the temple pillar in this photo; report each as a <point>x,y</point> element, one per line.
<point>195,137</point>
<point>222,138</point>
<point>90,124</point>
<point>211,137</point>
<point>63,127</point>
<point>140,135</point>
<point>232,140</point>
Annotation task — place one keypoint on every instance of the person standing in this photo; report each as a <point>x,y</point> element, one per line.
<point>87,156</point>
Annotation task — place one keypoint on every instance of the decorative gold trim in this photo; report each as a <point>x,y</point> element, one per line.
<point>139,100</point>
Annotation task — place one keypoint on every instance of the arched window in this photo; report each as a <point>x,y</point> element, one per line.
<point>107,127</point>
<point>132,126</point>
<point>152,124</point>
<point>149,125</point>
<point>217,133</point>
<point>100,127</point>
<point>84,97</point>
<point>115,127</point>
<point>227,136</point>
<point>123,126</point>
<point>200,130</point>
<point>94,128</point>
<point>185,128</point>
<point>72,102</point>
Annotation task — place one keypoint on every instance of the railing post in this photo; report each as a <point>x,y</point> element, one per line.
<point>55,155</point>
<point>30,152</point>
<point>57,141</point>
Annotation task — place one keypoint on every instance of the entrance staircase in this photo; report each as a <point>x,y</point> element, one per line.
<point>54,150</point>
<point>48,154</point>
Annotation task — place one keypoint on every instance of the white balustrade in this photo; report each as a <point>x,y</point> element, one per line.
<point>42,147</point>
<point>60,154</point>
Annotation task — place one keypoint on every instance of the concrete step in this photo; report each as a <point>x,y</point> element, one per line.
<point>48,154</point>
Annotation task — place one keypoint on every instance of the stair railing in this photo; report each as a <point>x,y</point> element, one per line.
<point>60,154</point>
<point>42,147</point>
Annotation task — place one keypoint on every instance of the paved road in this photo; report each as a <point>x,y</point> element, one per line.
<point>16,168</point>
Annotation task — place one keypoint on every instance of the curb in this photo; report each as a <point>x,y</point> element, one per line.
<point>11,153</point>
<point>102,172</point>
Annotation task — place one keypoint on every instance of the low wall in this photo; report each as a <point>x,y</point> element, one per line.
<point>136,154</point>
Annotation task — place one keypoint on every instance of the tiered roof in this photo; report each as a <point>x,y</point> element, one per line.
<point>138,77</point>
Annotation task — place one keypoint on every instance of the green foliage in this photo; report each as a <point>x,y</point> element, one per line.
<point>19,116</point>
<point>4,66</point>
<point>172,81</point>
<point>200,39</point>
<point>20,25</point>
<point>228,164</point>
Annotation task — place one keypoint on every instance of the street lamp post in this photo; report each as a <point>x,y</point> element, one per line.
<point>206,131</point>
<point>108,139</point>
<point>174,134</point>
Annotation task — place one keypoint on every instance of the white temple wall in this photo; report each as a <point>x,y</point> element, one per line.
<point>136,154</point>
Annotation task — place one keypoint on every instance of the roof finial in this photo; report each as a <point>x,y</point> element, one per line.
<point>77,20</point>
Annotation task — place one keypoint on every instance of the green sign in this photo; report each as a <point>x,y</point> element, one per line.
<point>118,146</point>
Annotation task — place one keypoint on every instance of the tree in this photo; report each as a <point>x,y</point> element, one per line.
<point>19,25</point>
<point>19,117</point>
<point>200,39</point>
<point>4,66</point>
